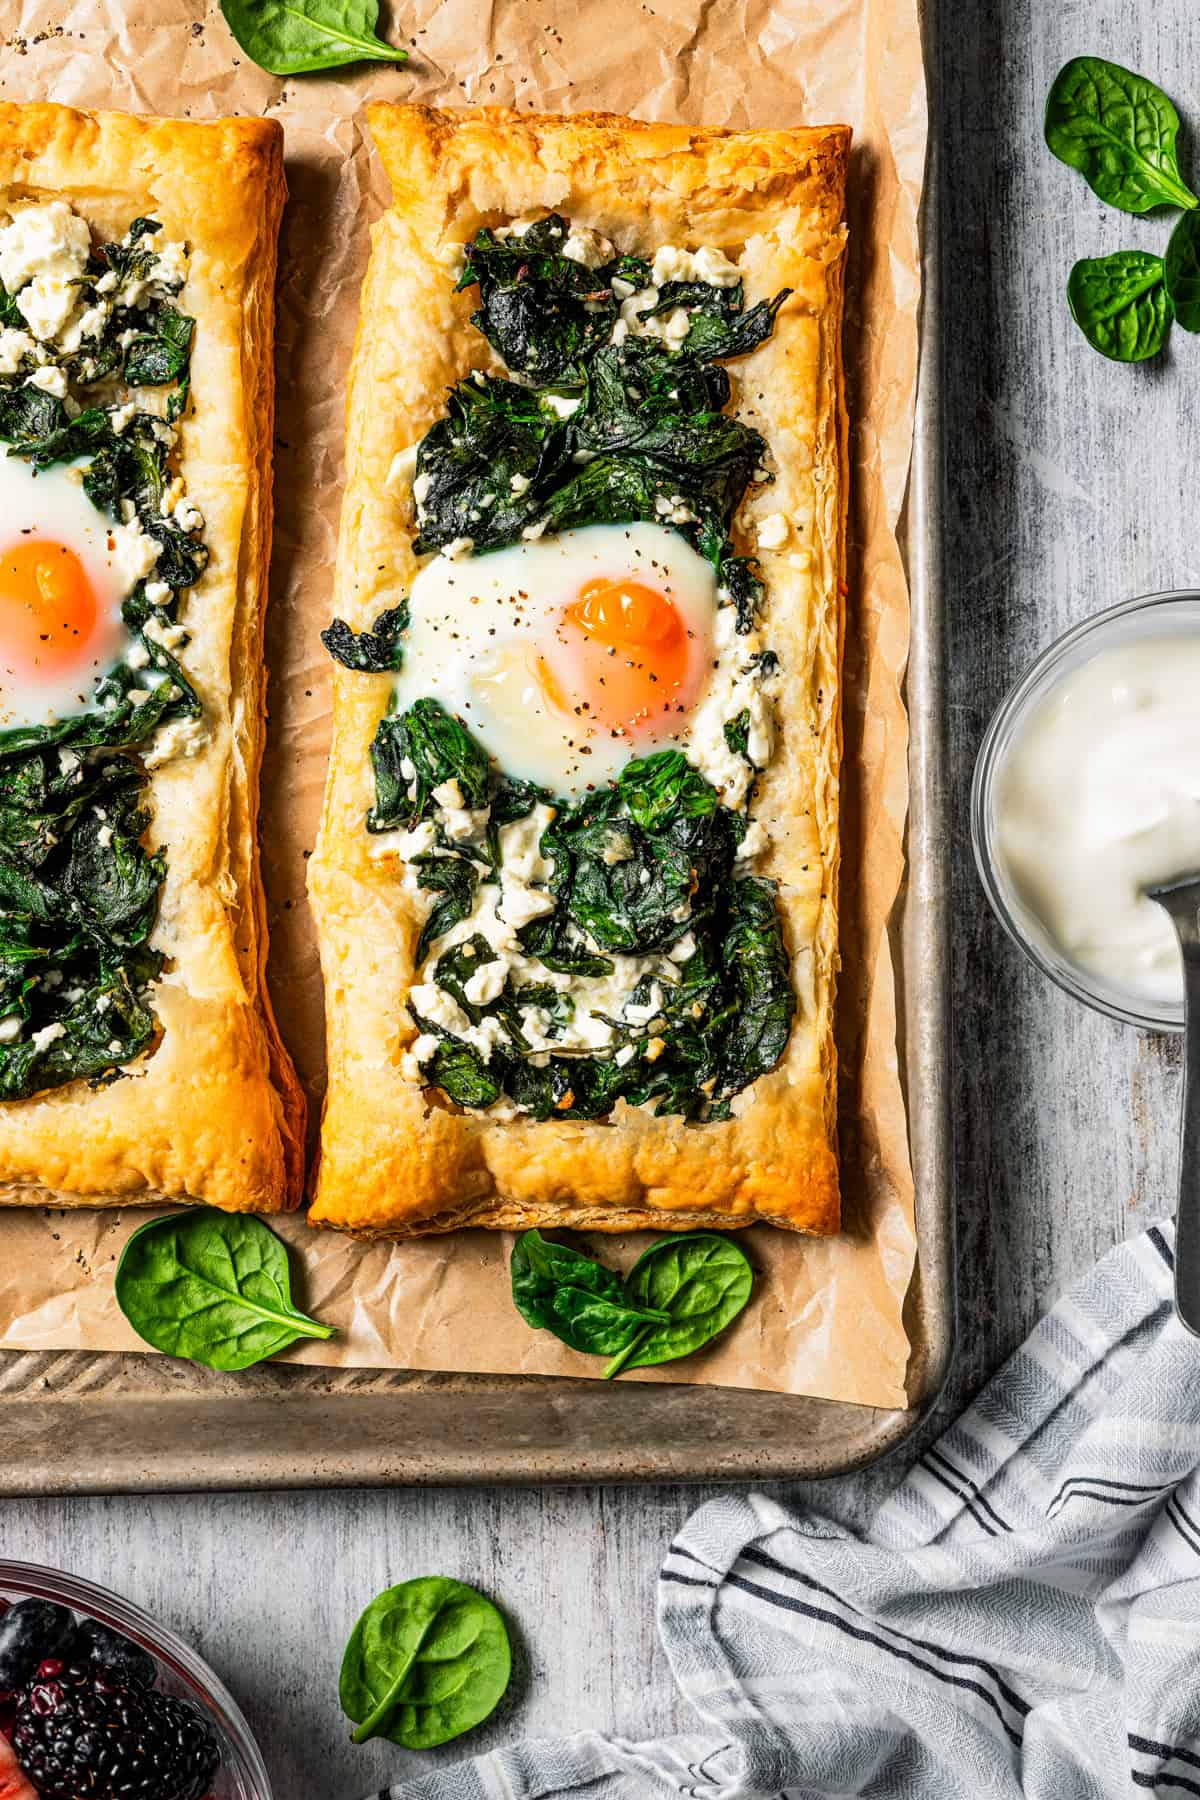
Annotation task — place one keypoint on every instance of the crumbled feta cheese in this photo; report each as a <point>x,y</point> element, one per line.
<point>587,247</point>
<point>486,983</point>
<point>638,1013</point>
<point>138,696</point>
<point>187,515</point>
<point>136,553</point>
<point>137,656</point>
<point>49,1034</point>
<point>169,637</point>
<point>708,264</point>
<point>739,685</point>
<point>618,848</point>
<point>181,738</point>
<point>440,1008</point>
<point>520,484</point>
<point>560,405</point>
<point>531,533</point>
<point>11,1027</point>
<point>68,762</point>
<point>88,323</point>
<point>50,380</point>
<point>402,469</point>
<point>625,1055</point>
<point>448,794</point>
<point>458,547</point>
<point>519,903</point>
<point>676,509</point>
<point>773,531</point>
<point>520,851</point>
<point>14,346</point>
<point>420,489</point>
<point>104,836</point>
<point>43,251</point>
<point>171,265</point>
<point>621,288</point>
<point>121,416</point>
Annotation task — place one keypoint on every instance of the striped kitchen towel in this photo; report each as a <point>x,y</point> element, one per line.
<point>1021,1618</point>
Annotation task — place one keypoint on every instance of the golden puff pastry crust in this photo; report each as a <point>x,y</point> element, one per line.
<point>213,1112</point>
<point>394,1159</point>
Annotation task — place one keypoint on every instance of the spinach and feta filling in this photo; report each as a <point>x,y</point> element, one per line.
<point>98,543</point>
<point>609,942</point>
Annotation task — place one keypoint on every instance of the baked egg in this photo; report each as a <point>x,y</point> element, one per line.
<point>64,570</point>
<point>566,656</point>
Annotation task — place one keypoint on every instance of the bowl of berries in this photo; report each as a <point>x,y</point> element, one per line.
<point>98,1701</point>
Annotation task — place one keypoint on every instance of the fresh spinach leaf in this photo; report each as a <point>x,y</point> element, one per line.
<point>584,1304</point>
<point>1119,130</point>
<point>372,651</point>
<point>700,1280</point>
<point>1181,271</point>
<point>1120,304</point>
<point>292,37</point>
<point>427,1661</point>
<point>212,1286</point>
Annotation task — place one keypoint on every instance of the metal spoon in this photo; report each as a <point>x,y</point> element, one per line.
<point>1181,900</point>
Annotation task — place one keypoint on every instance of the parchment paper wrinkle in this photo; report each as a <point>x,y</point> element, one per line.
<point>826,1319</point>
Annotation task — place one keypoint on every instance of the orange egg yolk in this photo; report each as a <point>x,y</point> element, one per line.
<point>631,655</point>
<point>48,609</point>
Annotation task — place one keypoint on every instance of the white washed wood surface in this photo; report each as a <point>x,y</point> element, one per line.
<point>1070,485</point>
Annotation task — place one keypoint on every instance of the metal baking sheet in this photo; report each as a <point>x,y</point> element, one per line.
<point>72,1422</point>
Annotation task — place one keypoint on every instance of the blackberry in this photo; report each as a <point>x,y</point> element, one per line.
<point>82,1735</point>
<point>30,1631</point>
<point>104,1649</point>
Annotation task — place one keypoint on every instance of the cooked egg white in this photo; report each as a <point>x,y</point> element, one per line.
<point>64,570</point>
<point>567,655</point>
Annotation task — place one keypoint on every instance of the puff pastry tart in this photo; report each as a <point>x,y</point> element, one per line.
<point>139,1061</point>
<point>576,876</point>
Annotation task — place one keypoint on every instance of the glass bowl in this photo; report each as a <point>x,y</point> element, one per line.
<point>243,1774</point>
<point>1166,615</point>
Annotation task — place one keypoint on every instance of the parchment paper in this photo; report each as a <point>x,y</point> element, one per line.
<point>827,1316</point>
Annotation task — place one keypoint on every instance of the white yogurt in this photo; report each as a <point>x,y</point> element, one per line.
<point>1098,797</point>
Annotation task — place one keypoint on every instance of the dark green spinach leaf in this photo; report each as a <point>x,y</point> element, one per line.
<point>439,749</point>
<point>212,1286</point>
<point>700,1280</point>
<point>583,1303</point>
<point>1120,304</point>
<point>292,37</point>
<point>1181,271</point>
<point>1119,131</point>
<point>159,353</point>
<point>427,1661</point>
<point>381,648</point>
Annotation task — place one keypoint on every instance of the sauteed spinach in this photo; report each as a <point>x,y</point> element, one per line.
<point>596,421</point>
<point>79,891</point>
